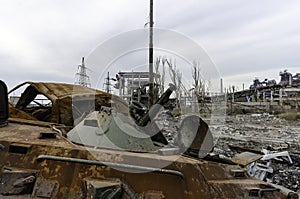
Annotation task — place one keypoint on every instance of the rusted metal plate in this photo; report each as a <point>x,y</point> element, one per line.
<point>16,113</point>
<point>245,189</point>
<point>70,174</point>
<point>245,158</point>
<point>153,195</point>
<point>45,188</point>
<point>69,102</point>
<point>16,181</point>
<point>103,189</point>
<point>21,134</point>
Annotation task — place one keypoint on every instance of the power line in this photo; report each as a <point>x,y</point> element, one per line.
<point>81,76</point>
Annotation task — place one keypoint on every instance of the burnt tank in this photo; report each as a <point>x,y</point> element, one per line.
<point>103,153</point>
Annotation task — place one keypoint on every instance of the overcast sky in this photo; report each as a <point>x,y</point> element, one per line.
<point>44,40</point>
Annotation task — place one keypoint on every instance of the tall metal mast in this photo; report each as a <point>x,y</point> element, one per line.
<point>82,78</point>
<point>107,83</point>
<point>150,99</point>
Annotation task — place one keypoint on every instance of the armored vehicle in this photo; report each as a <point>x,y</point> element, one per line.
<point>100,152</point>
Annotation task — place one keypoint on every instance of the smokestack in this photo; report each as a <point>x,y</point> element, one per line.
<point>221,82</point>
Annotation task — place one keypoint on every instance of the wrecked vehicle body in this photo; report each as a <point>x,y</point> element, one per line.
<point>67,102</point>
<point>38,161</point>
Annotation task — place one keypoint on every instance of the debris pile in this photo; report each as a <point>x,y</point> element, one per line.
<point>168,124</point>
<point>287,175</point>
<point>266,146</point>
<point>259,131</point>
<point>271,166</point>
<point>275,141</point>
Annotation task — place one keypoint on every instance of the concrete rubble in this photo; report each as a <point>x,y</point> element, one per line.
<point>272,141</point>
<point>277,140</point>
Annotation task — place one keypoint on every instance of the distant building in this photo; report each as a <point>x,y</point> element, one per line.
<point>133,85</point>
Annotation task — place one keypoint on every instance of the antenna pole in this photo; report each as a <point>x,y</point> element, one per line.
<point>150,99</point>
<point>107,83</point>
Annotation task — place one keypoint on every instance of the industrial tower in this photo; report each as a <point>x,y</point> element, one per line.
<point>107,83</point>
<point>81,77</point>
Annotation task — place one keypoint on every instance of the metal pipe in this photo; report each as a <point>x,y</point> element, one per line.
<point>109,164</point>
<point>153,111</point>
<point>56,129</point>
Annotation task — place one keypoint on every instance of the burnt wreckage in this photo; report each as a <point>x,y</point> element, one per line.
<point>84,144</point>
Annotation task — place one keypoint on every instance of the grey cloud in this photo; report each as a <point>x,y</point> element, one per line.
<point>48,38</point>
